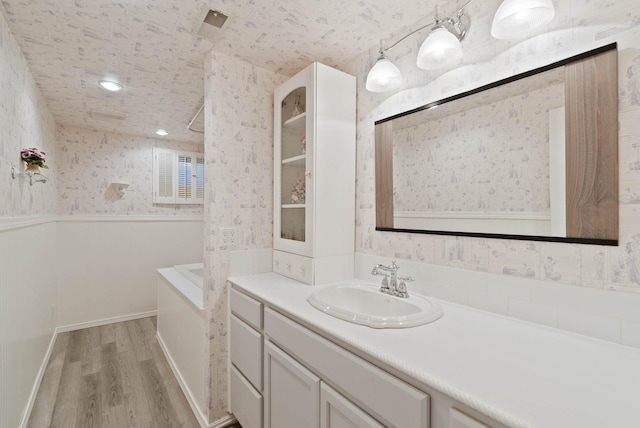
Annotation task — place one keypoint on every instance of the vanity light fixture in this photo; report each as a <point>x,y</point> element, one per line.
<point>384,76</point>
<point>162,132</point>
<point>110,85</point>
<point>442,47</point>
<point>516,17</point>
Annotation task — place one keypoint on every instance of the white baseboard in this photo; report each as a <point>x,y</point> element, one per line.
<point>202,419</point>
<point>223,422</point>
<point>105,321</point>
<point>36,386</point>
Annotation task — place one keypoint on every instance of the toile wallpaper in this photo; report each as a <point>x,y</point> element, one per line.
<point>239,155</point>
<point>25,122</point>
<point>91,160</point>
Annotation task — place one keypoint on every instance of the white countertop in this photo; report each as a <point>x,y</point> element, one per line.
<point>518,373</point>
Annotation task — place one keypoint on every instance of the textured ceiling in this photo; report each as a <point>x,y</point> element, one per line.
<point>148,46</point>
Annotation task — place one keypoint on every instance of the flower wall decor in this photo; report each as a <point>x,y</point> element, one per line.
<point>33,156</point>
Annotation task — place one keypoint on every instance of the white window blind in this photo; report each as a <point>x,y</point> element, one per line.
<point>178,177</point>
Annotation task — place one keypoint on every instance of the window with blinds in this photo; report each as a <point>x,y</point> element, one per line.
<point>178,177</point>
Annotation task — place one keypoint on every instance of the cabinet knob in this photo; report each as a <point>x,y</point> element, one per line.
<point>276,263</point>
<point>288,266</point>
<point>307,173</point>
<point>301,271</point>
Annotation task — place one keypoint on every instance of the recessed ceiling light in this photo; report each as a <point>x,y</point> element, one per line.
<point>162,132</point>
<point>110,86</point>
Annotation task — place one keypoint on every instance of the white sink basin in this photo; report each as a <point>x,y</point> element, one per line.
<point>366,305</point>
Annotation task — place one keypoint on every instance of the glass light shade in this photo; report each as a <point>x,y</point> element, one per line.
<point>439,50</point>
<point>517,17</point>
<point>384,76</point>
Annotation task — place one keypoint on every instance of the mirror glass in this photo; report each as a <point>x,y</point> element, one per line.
<point>492,162</point>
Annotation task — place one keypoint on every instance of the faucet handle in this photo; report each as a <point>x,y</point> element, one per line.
<point>402,287</point>
<point>385,284</point>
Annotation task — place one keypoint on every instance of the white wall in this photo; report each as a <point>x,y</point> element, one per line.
<point>27,311</point>
<point>108,265</point>
<point>564,271</point>
<point>27,237</point>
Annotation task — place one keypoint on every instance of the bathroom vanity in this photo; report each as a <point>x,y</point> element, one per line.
<point>294,366</point>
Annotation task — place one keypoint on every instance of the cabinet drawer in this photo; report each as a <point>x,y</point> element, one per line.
<point>246,402</point>
<point>246,351</point>
<point>246,308</point>
<point>391,401</point>
<point>293,266</point>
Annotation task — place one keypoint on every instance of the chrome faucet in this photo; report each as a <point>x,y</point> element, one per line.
<point>390,284</point>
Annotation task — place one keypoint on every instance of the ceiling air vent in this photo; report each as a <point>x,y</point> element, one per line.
<point>210,24</point>
<point>105,117</point>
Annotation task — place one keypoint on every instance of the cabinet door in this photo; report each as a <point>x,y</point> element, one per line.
<point>291,392</point>
<point>457,419</point>
<point>294,114</point>
<point>338,412</point>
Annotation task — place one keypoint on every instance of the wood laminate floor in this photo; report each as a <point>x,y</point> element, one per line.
<point>110,376</point>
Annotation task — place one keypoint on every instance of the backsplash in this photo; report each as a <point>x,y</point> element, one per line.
<point>90,160</point>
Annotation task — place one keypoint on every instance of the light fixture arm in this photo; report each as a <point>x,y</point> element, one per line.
<point>459,24</point>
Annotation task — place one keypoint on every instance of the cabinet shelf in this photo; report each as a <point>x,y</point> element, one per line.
<point>288,206</point>
<point>296,122</point>
<point>296,159</point>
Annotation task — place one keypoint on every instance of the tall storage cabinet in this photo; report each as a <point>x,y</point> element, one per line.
<point>314,175</point>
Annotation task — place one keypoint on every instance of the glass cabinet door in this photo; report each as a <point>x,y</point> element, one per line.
<point>293,166</point>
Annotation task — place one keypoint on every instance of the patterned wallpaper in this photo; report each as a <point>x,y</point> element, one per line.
<point>578,26</point>
<point>489,158</point>
<point>90,160</point>
<point>25,121</point>
<point>239,154</point>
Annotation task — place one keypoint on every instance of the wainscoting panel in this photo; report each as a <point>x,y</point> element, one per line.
<point>108,264</point>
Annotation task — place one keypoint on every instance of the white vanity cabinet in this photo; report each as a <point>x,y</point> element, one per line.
<point>284,375</point>
<point>381,396</point>
<point>314,175</point>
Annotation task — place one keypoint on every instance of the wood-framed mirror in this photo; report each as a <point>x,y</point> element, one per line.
<point>531,157</point>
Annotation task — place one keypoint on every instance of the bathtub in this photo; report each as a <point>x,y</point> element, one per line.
<point>193,272</point>
<point>181,331</point>
<point>187,279</point>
